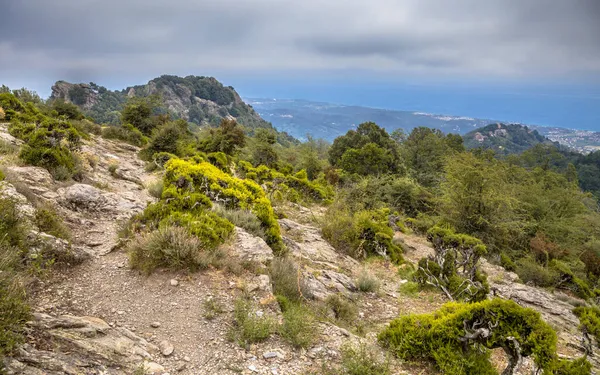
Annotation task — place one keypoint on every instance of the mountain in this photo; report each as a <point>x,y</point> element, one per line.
<point>505,138</point>
<point>327,120</point>
<point>200,100</point>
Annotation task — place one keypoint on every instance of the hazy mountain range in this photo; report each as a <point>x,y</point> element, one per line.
<point>328,120</point>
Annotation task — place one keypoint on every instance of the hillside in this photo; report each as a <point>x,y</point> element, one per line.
<point>504,138</point>
<point>200,100</point>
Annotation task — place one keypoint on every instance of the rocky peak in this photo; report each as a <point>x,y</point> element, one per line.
<point>81,94</point>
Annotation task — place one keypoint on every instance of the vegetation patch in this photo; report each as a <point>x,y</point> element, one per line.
<point>250,325</point>
<point>459,336</point>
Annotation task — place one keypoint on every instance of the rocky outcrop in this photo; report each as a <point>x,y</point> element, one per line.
<point>325,270</point>
<point>82,94</point>
<point>83,197</point>
<point>251,248</point>
<point>81,345</point>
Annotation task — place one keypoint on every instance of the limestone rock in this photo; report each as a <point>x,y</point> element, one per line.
<point>32,176</point>
<point>82,196</point>
<point>56,248</point>
<point>251,248</point>
<point>83,345</point>
<point>166,348</point>
<point>24,207</point>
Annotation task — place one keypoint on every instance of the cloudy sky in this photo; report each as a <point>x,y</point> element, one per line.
<point>123,42</point>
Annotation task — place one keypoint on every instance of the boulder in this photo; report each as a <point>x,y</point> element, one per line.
<point>251,248</point>
<point>82,196</point>
<point>24,207</point>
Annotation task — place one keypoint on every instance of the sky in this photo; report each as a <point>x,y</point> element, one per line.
<point>383,53</point>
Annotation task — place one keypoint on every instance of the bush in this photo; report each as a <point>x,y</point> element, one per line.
<point>589,324</point>
<point>241,218</point>
<point>530,272</point>
<point>126,133</point>
<point>155,188</point>
<point>112,169</point>
<point>171,247</point>
<point>453,267</point>
<point>298,327</point>
<point>459,336</point>
<point>343,310</point>
<point>363,360</point>
<point>48,221</point>
<point>507,263</point>
<point>172,138</point>
<point>249,327</point>
<point>14,311</point>
<point>366,282</point>
<point>287,280</point>
<point>232,192</point>
<point>362,234</point>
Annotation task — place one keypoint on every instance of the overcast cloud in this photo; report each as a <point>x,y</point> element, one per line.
<point>96,39</point>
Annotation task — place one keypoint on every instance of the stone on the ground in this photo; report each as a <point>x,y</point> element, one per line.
<point>166,348</point>
<point>174,282</point>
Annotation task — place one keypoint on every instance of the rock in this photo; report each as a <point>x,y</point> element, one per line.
<point>251,248</point>
<point>81,345</point>
<point>252,368</point>
<point>174,282</point>
<point>153,368</point>
<point>166,348</point>
<point>155,324</point>
<point>24,207</point>
<point>56,248</point>
<point>277,353</point>
<point>82,196</point>
<point>32,176</point>
<point>264,283</point>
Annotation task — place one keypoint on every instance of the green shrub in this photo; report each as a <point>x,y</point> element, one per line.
<point>219,160</point>
<point>453,267</point>
<point>155,188</point>
<point>361,359</point>
<point>298,327</point>
<point>421,224</point>
<point>507,263</point>
<point>126,133</point>
<point>362,234</point>
<point>2,176</point>
<point>112,169</point>
<point>249,327</point>
<point>343,310</point>
<point>287,280</point>
<point>232,192</point>
<point>367,282</point>
<point>48,221</point>
<point>14,311</point>
<point>530,272</point>
<point>171,247</point>
<point>212,308</point>
<point>409,288</point>
<point>172,138</point>
<point>457,338</point>
<point>244,219</point>
<point>589,323</point>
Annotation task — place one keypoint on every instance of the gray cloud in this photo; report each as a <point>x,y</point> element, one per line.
<point>95,39</point>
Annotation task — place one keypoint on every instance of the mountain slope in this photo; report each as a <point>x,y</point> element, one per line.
<point>201,100</point>
<point>505,138</point>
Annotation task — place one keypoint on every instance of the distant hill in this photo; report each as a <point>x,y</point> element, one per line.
<point>505,138</point>
<point>328,121</point>
<point>200,100</point>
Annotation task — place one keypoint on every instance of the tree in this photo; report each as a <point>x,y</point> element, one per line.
<point>68,110</point>
<point>170,137</point>
<point>227,138</point>
<point>368,137</point>
<point>369,159</point>
<point>453,267</point>
<point>140,112</point>
<point>425,151</point>
<point>263,152</point>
